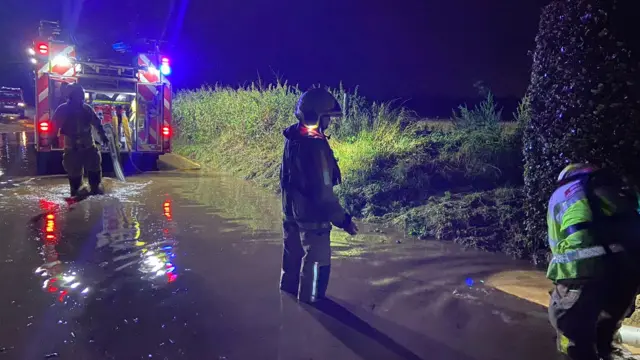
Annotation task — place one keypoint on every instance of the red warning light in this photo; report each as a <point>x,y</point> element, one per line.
<point>166,131</point>
<point>44,126</point>
<point>43,49</point>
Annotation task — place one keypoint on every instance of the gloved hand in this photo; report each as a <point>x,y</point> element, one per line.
<point>352,228</point>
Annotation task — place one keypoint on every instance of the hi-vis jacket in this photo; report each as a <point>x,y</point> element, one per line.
<point>579,235</point>
<point>308,173</point>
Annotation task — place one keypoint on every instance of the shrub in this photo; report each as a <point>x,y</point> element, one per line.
<point>584,102</point>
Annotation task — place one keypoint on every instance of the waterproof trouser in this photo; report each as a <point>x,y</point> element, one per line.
<point>588,316</point>
<point>306,261</point>
<point>76,160</point>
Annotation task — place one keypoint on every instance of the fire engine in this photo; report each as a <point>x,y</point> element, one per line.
<point>132,94</point>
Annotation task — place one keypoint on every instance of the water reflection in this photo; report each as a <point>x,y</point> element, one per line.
<point>76,266</point>
<point>17,155</point>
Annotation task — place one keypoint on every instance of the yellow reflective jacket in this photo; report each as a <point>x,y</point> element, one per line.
<point>577,247</point>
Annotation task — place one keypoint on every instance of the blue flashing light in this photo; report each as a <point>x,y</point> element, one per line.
<point>120,47</point>
<point>165,69</point>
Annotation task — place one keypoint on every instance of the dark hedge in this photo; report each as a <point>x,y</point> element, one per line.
<point>584,101</point>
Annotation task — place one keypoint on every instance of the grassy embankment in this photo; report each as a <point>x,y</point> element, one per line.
<point>456,180</point>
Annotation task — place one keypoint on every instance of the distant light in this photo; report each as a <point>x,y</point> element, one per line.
<point>33,61</point>
<point>165,69</point>
<point>21,104</point>
<point>31,52</point>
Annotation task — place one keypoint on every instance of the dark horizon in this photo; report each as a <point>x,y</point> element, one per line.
<point>425,55</point>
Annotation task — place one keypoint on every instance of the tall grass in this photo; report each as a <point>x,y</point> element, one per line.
<point>240,129</point>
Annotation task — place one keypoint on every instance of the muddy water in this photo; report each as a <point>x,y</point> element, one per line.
<point>254,208</point>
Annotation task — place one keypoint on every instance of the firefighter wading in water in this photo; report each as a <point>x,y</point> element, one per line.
<point>593,230</point>
<point>308,174</point>
<point>80,152</point>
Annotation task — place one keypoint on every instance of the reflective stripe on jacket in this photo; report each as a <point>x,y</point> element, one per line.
<point>580,236</point>
<point>577,253</point>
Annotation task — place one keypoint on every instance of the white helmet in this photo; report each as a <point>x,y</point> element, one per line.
<point>575,169</point>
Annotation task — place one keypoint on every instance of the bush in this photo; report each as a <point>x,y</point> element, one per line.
<point>394,165</point>
<point>584,102</point>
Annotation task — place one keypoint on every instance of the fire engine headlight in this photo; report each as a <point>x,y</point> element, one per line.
<point>61,60</point>
<point>22,104</point>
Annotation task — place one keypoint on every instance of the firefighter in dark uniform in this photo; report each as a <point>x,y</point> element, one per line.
<point>593,229</point>
<point>75,119</point>
<point>308,173</point>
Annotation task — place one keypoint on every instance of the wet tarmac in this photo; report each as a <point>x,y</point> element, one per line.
<point>185,265</point>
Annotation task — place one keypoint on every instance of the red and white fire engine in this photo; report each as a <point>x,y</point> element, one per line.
<point>133,96</point>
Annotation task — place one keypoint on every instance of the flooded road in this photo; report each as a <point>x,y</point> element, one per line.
<point>185,265</point>
<point>17,155</point>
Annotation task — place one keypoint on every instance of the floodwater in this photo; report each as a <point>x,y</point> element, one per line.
<point>185,265</point>
<point>17,154</point>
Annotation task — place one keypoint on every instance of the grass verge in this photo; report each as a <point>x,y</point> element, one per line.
<point>457,180</point>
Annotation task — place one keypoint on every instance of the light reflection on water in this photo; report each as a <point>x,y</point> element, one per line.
<point>17,155</point>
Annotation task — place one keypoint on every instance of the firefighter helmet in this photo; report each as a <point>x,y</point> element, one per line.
<point>315,104</point>
<point>575,169</point>
<point>75,92</point>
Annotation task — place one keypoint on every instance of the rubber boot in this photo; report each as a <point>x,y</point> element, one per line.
<point>292,255</point>
<point>75,183</point>
<point>95,182</point>
<point>314,281</point>
<point>290,276</point>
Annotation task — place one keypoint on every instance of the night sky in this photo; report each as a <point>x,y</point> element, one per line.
<point>408,49</point>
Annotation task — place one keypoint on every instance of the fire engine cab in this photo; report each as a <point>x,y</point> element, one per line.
<point>132,93</point>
